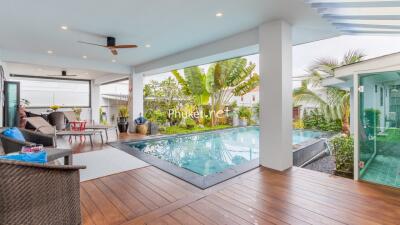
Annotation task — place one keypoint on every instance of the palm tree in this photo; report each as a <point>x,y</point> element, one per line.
<point>336,105</point>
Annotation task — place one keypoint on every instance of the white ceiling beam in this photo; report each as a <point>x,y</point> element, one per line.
<point>357,25</point>
<point>63,62</point>
<point>244,43</point>
<point>372,32</point>
<point>361,4</point>
<point>360,17</point>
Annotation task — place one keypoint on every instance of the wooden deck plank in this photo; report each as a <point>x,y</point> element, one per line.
<point>356,205</point>
<point>150,196</point>
<point>102,202</point>
<point>152,187</point>
<point>184,218</point>
<point>232,208</point>
<point>125,210</point>
<point>92,211</point>
<point>145,191</point>
<point>344,216</point>
<point>121,192</point>
<point>86,219</point>
<point>284,211</point>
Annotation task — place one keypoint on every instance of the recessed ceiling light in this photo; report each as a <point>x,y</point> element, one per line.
<point>114,60</point>
<point>219,14</point>
<point>64,27</point>
<point>50,52</point>
<point>148,46</point>
<point>85,57</point>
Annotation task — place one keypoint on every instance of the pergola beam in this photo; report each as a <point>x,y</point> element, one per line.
<point>361,17</point>
<point>370,32</point>
<point>373,26</point>
<point>366,4</point>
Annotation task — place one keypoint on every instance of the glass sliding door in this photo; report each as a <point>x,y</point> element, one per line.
<point>11,104</point>
<point>379,128</point>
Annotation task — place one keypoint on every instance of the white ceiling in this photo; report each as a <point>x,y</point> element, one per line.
<point>170,26</point>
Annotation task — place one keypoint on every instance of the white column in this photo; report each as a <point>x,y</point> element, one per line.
<point>275,40</point>
<point>135,98</point>
<point>95,102</point>
<point>356,125</point>
<point>352,111</point>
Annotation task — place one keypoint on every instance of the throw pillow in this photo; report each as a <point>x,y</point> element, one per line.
<point>14,133</point>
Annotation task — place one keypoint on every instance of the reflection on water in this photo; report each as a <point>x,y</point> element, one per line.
<point>206,153</point>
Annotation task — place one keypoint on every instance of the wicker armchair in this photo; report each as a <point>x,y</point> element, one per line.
<point>36,194</point>
<point>11,145</point>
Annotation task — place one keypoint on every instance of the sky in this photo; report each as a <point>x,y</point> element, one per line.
<point>304,55</point>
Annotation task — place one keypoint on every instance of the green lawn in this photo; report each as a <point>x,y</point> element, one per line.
<point>391,135</point>
<point>182,130</point>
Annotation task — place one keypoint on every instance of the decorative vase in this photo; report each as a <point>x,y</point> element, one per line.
<point>123,124</point>
<point>142,129</point>
<point>153,128</point>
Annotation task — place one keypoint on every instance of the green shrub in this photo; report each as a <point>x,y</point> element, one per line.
<point>298,124</point>
<point>190,123</point>
<point>343,150</point>
<point>245,112</point>
<point>315,120</point>
<point>156,116</point>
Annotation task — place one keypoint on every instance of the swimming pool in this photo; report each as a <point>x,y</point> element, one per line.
<point>211,152</point>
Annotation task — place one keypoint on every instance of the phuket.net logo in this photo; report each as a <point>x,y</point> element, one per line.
<point>174,113</point>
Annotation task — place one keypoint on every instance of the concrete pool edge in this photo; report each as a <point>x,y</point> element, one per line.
<point>202,182</point>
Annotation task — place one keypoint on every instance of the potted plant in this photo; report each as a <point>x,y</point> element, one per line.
<point>77,112</point>
<point>244,116</point>
<point>123,119</point>
<point>55,107</point>
<point>141,126</point>
<point>156,118</point>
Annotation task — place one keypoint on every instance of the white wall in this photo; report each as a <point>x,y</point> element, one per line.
<point>85,115</point>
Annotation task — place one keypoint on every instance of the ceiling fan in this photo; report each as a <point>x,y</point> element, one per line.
<point>63,74</point>
<point>111,45</point>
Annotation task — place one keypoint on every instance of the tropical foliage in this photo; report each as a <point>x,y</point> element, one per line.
<point>161,96</point>
<point>222,81</point>
<point>343,150</point>
<point>336,105</point>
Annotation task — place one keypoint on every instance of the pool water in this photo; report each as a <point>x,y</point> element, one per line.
<point>300,136</point>
<point>211,152</point>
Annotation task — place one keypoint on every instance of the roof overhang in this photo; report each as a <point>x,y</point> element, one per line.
<point>375,65</point>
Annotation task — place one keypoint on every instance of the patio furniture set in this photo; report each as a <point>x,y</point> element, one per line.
<point>40,193</point>
<point>37,193</point>
<point>67,124</point>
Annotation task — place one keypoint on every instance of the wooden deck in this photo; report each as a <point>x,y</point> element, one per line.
<point>261,196</point>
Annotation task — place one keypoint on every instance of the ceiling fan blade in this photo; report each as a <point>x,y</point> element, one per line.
<point>88,43</point>
<point>114,51</point>
<point>125,46</point>
<point>62,75</point>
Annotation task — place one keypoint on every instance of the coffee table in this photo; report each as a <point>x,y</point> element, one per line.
<point>56,153</point>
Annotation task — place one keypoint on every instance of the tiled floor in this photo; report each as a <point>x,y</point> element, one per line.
<point>384,169</point>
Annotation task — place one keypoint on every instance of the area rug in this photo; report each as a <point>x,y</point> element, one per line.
<point>105,162</point>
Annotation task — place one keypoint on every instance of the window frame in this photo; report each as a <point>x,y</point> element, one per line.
<point>57,78</point>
